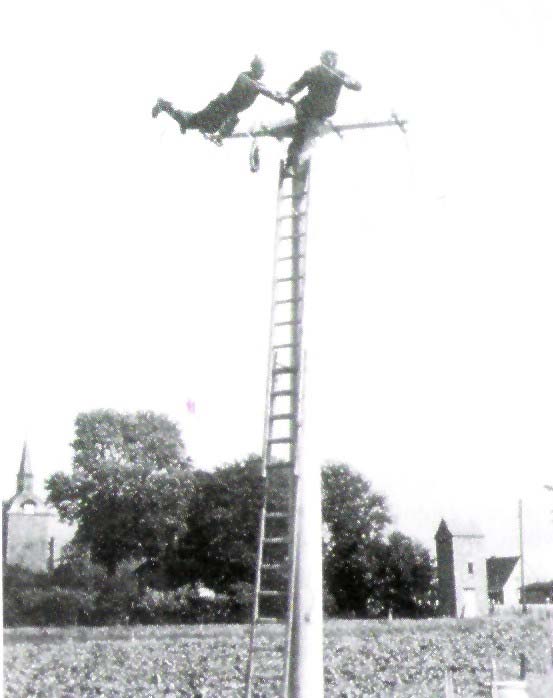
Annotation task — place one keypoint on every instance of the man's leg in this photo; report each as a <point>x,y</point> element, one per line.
<point>305,132</point>
<point>212,118</point>
<point>296,145</point>
<point>181,117</point>
<point>228,126</point>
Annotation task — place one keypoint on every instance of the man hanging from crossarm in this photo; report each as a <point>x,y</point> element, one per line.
<point>323,84</point>
<point>220,117</point>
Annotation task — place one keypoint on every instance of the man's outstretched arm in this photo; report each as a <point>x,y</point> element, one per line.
<point>264,90</point>
<point>299,85</point>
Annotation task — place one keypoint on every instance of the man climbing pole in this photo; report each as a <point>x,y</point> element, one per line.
<point>220,117</point>
<point>323,84</point>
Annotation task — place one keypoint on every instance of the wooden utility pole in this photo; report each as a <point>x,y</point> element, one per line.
<point>521,544</point>
<point>306,670</point>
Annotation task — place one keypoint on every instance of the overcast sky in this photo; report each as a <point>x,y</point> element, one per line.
<point>136,263</point>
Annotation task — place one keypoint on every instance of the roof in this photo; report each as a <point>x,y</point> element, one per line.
<point>498,570</point>
<point>25,463</point>
<point>24,493</point>
<point>540,586</point>
<point>458,527</point>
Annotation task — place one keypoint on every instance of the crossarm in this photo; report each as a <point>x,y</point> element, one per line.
<point>286,130</point>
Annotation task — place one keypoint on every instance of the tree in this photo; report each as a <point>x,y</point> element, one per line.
<point>405,579</point>
<point>219,547</point>
<point>365,571</point>
<point>130,486</point>
<point>355,516</point>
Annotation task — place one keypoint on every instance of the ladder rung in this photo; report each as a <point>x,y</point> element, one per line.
<point>290,216</point>
<point>266,619</point>
<point>281,393</point>
<point>277,514</point>
<point>294,196</point>
<point>288,345</point>
<point>289,300</point>
<point>272,592</point>
<point>282,279</point>
<point>282,415</point>
<point>292,237</point>
<point>277,540</point>
<point>274,565</point>
<point>280,440</point>
<point>287,322</point>
<point>281,464</point>
<point>287,258</point>
<point>284,369</point>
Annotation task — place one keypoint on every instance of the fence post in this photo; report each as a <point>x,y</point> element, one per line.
<point>448,685</point>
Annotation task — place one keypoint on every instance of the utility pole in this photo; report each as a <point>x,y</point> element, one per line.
<point>521,544</point>
<point>302,667</point>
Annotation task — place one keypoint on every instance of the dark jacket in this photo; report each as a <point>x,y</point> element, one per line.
<point>244,93</point>
<point>323,89</point>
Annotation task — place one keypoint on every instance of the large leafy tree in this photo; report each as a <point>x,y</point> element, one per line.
<point>406,579</point>
<point>356,517</point>
<point>366,570</point>
<point>220,544</point>
<point>130,486</point>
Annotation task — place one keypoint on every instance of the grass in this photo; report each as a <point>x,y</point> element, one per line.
<point>391,659</point>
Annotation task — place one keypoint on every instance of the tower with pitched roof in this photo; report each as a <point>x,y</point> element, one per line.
<point>27,523</point>
<point>462,578</point>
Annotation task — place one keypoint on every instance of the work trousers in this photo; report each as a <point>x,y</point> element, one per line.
<point>216,116</point>
<point>306,130</point>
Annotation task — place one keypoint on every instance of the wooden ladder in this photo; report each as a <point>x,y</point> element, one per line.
<point>275,570</point>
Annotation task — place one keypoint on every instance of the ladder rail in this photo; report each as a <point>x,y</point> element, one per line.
<point>271,363</point>
<point>289,250</point>
<point>271,359</point>
<point>260,541</point>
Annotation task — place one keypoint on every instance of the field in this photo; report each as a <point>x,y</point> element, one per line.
<point>400,659</point>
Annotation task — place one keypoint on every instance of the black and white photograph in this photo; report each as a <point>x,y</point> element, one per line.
<point>277,359</point>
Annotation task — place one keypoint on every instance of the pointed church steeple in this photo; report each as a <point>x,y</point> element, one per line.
<point>25,474</point>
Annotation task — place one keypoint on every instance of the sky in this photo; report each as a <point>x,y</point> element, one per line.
<point>136,263</point>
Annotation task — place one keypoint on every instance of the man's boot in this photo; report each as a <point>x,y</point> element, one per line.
<point>159,106</point>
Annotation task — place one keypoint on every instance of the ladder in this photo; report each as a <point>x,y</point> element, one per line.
<point>275,570</point>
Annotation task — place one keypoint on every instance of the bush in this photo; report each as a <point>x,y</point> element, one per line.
<point>39,599</point>
<point>115,597</point>
<point>188,604</point>
<point>240,598</point>
<point>168,606</point>
<point>31,599</point>
<point>42,599</point>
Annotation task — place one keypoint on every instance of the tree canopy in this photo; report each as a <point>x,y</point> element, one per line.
<point>219,546</point>
<point>135,497</point>
<point>356,517</point>
<point>129,488</point>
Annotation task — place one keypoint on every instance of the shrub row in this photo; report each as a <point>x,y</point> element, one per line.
<point>30,600</point>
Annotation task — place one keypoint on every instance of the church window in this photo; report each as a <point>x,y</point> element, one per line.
<point>28,506</point>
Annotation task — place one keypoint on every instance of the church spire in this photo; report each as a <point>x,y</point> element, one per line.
<point>25,474</point>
